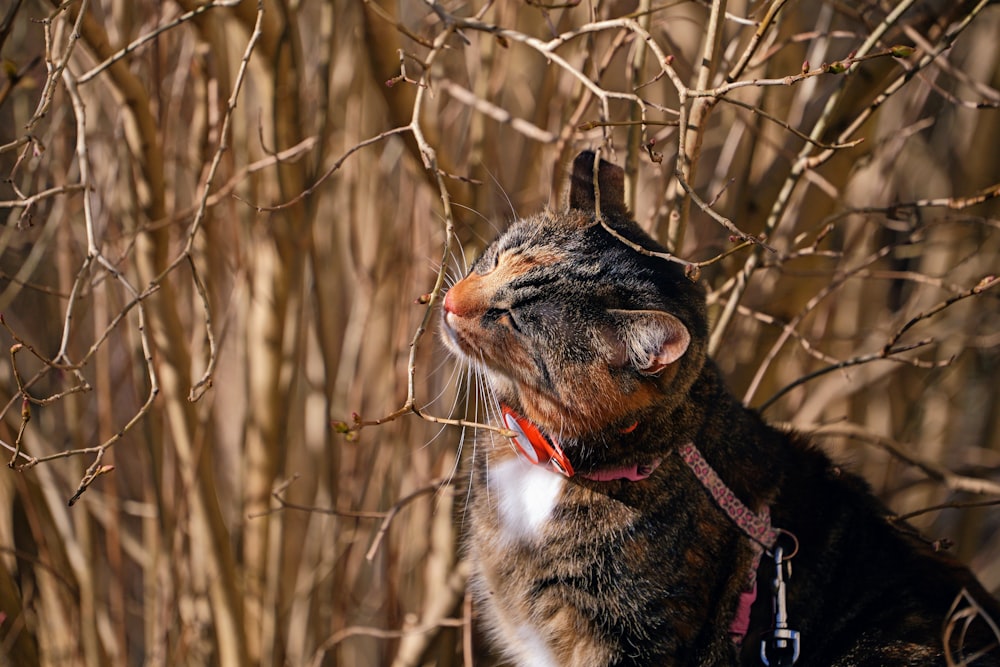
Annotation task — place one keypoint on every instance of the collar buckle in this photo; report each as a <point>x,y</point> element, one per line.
<point>532,444</point>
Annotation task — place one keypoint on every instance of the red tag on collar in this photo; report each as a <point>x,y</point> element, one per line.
<point>534,446</point>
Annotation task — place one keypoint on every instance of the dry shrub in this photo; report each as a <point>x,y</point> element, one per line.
<point>226,233</point>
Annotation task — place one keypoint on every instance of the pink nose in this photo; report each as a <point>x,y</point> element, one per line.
<point>466,298</point>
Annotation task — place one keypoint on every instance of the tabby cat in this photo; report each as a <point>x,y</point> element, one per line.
<point>637,517</point>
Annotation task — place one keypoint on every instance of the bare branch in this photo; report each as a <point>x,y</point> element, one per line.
<point>150,36</point>
<point>980,287</point>
<point>951,480</point>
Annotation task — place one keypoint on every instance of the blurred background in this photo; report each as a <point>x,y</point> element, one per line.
<point>224,224</point>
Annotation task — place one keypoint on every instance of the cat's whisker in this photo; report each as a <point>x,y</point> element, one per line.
<point>457,465</point>
<point>455,267</point>
<point>490,400</point>
<point>451,278</point>
<point>503,191</point>
<point>479,237</point>
<point>478,391</point>
<point>455,372</point>
<point>452,381</point>
<point>487,401</point>
<point>458,266</point>
<point>463,368</point>
<point>472,434</point>
<point>457,260</point>
<point>484,218</point>
<point>474,382</point>
<point>476,386</point>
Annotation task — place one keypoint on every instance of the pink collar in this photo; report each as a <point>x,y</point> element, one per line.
<point>534,446</point>
<point>633,473</point>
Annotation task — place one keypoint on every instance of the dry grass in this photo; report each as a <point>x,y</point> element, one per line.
<point>223,229</point>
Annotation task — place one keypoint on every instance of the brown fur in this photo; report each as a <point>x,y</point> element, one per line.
<point>586,337</point>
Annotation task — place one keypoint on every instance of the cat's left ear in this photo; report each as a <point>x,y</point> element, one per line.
<point>650,340</point>
<point>610,179</point>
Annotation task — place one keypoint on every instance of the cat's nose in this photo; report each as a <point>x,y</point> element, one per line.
<point>452,306</point>
<point>449,301</point>
<point>466,297</point>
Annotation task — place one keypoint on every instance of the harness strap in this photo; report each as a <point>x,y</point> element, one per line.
<point>755,526</point>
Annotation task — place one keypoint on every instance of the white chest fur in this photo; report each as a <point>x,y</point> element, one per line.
<point>526,495</point>
<point>532,650</point>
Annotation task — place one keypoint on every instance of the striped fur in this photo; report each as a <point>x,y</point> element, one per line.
<point>584,336</point>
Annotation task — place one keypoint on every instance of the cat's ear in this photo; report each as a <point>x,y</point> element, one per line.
<point>650,340</point>
<point>610,180</point>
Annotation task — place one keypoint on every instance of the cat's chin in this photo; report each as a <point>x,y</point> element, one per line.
<point>454,336</point>
<point>504,388</point>
<point>452,340</point>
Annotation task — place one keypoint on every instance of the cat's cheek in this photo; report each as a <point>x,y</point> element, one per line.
<point>603,397</point>
<point>465,337</point>
<point>461,338</point>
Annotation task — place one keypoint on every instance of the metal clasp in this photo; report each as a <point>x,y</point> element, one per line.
<point>780,647</point>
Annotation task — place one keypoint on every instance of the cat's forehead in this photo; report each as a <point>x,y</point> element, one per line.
<point>553,230</point>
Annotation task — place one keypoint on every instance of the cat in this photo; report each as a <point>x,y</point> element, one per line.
<point>636,517</point>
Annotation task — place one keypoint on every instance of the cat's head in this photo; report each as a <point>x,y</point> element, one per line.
<point>576,330</point>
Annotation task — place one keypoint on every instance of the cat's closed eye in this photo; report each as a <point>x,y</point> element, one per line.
<point>502,317</point>
<point>488,263</point>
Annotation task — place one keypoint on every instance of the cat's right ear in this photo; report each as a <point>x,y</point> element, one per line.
<point>610,180</point>
<point>650,340</point>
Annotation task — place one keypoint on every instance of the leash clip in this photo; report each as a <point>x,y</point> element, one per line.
<point>780,647</point>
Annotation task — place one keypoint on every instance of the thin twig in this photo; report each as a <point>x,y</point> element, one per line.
<point>31,200</point>
<point>951,480</point>
<point>364,631</point>
<point>150,36</point>
<point>329,171</point>
<point>887,355</point>
<point>980,287</point>
<point>762,27</point>
<point>56,69</point>
<point>202,384</point>
<point>946,506</point>
<point>498,114</point>
<point>801,135</point>
<point>968,614</point>
<point>718,217</point>
<point>806,160</point>
<point>433,487</point>
<point>283,504</point>
<point>94,256</point>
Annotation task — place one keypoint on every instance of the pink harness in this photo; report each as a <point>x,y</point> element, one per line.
<point>534,446</point>
<point>755,526</point>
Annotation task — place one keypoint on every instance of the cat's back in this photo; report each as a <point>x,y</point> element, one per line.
<point>866,588</point>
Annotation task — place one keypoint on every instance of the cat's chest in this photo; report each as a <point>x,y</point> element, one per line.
<point>525,497</point>
<point>527,520</point>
